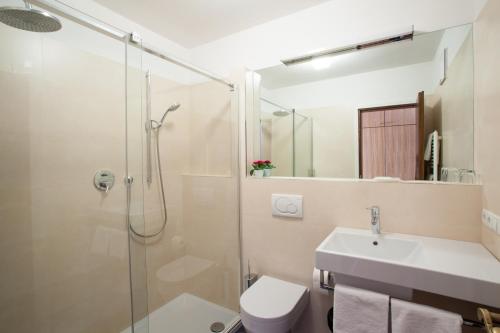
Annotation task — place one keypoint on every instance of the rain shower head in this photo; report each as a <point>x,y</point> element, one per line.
<point>29,19</point>
<point>171,108</point>
<point>281,113</point>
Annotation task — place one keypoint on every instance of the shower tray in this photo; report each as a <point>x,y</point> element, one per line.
<point>188,314</point>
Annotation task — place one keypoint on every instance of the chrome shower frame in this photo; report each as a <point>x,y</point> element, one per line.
<point>135,40</point>
<point>148,126</point>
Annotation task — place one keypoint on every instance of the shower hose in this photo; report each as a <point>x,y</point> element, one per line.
<point>162,191</point>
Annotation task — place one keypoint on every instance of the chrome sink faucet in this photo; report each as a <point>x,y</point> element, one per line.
<point>375,219</point>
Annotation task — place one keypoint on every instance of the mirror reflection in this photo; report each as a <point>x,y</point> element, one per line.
<point>402,110</point>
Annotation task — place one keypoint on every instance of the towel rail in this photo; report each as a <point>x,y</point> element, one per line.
<point>330,286</point>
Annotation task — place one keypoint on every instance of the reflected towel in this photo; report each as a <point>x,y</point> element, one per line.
<point>414,318</point>
<point>357,310</point>
<point>428,147</point>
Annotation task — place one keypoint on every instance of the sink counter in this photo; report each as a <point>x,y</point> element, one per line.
<point>456,269</point>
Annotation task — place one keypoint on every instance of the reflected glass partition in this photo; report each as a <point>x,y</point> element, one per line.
<point>285,137</point>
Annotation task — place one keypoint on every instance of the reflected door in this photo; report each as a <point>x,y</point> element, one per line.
<point>390,141</point>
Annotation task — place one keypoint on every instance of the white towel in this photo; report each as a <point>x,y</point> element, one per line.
<point>357,310</point>
<point>415,318</point>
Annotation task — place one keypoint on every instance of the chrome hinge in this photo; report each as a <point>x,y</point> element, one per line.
<point>135,38</point>
<point>129,180</point>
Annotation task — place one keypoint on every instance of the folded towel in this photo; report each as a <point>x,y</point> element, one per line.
<point>357,310</point>
<point>414,318</point>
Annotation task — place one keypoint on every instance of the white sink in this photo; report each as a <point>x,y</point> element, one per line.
<point>457,269</point>
<point>386,247</point>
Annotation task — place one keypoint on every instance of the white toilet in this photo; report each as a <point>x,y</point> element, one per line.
<point>272,305</point>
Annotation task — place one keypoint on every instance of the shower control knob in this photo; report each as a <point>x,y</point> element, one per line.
<point>104,180</point>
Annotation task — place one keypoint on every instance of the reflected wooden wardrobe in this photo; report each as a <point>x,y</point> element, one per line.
<point>391,141</point>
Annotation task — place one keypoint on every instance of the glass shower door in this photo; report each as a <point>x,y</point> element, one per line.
<point>303,146</point>
<point>193,263</point>
<point>64,248</point>
<point>134,180</point>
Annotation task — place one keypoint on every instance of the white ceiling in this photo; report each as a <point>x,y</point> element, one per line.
<point>421,49</point>
<point>191,23</point>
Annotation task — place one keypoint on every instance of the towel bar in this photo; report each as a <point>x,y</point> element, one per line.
<point>330,286</point>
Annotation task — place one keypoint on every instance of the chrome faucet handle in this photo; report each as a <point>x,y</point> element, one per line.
<point>375,219</point>
<point>375,210</point>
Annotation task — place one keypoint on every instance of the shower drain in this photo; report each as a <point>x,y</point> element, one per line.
<point>217,327</point>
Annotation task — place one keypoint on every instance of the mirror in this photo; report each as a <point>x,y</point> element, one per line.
<point>403,110</point>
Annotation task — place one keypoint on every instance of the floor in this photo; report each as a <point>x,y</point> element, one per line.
<point>188,314</point>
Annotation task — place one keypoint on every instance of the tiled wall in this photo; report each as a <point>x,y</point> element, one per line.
<point>487,69</point>
<point>284,248</point>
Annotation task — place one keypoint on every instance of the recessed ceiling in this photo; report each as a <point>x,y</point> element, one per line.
<point>421,49</point>
<point>194,22</point>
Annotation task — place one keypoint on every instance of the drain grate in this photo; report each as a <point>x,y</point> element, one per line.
<point>217,327</point>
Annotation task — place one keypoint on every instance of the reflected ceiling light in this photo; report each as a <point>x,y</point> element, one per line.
<point>352,48</point>
<point>321,63</point>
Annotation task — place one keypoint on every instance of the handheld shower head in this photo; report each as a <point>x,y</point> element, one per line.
<point>171,108</point>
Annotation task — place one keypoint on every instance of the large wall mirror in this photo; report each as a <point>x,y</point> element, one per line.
<point>402,109</point>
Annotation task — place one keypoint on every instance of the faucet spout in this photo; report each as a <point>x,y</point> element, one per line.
<point>375,219</point>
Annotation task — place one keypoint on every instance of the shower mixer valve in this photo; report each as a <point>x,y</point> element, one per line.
<point>104,180</point>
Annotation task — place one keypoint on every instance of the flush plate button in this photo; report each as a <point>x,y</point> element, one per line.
<point>288,205</point>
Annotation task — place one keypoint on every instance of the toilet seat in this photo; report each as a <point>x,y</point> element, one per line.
<point>272,305</point>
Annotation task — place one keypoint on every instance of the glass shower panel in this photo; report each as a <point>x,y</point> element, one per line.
<point>193,264</point>
<point>277,139</point>
<point>303,146</point>
<point>64,242</point>
<point>135,124</point>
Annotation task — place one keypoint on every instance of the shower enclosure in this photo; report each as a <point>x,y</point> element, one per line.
<point>286,138</point>
<point>73,182</point>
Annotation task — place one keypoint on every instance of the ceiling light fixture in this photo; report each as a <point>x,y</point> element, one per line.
<point>321,63</point>
<point>352,48</point>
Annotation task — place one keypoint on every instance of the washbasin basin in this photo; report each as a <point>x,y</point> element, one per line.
<point>385,247</point>
<point>400,263</point>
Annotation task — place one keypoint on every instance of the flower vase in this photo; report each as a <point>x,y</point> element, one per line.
<point>267,172</point>
<point>258,173</point>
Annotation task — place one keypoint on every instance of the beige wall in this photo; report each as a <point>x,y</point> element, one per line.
<point>284,248</point>
<point>303,146</point>
<point>282,146</point>
<point>335,141</point>
<point>487,70</point>
<point>452,110</point>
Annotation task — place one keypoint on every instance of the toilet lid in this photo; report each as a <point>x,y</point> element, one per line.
<point>270,298</point>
